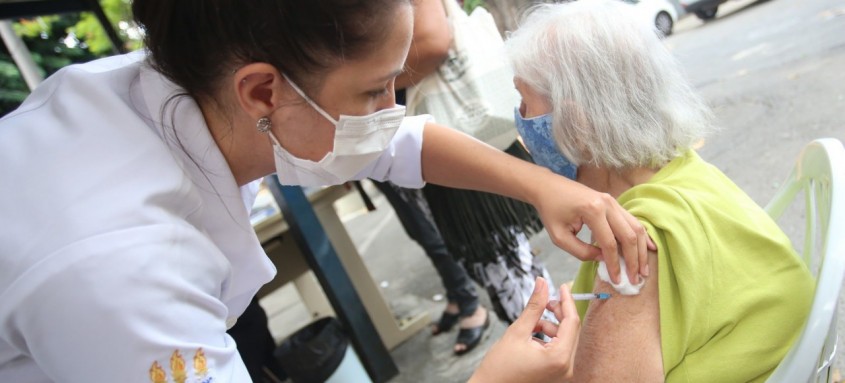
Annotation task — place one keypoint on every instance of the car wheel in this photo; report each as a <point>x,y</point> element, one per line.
<point>706,14</point>
<point>663,23</point>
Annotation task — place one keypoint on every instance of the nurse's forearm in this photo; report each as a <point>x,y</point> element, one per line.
<point>453,159</point>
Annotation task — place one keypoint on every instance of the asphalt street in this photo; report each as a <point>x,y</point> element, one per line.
<point>773,72</point>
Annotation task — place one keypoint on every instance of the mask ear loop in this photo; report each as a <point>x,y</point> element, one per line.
<point>309,100</point>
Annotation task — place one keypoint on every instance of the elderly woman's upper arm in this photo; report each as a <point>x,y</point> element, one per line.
<point>620,337</point>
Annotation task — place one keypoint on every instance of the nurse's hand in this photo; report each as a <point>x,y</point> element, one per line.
<point>565,206</point>
<point>519,357</point>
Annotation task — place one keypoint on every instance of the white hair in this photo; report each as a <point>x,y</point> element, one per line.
<point>618,97</point>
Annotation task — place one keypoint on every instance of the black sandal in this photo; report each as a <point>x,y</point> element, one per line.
<point>446,322</point>
<point>471,337</point>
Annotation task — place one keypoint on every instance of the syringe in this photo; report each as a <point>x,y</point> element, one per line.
<point>590,296</point>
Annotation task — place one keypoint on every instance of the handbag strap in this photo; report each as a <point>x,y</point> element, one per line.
<point>452,8</point>
<point>455,15</point>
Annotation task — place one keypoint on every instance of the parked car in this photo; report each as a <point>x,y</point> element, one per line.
<point>661,13</point>
<point>703,9</point>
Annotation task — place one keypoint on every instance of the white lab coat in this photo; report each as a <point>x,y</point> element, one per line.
<point>125,249</point>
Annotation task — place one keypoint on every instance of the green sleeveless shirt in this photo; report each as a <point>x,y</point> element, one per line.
<point>733,293</point>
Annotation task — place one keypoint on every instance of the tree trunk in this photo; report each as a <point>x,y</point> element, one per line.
<point>507,12</point>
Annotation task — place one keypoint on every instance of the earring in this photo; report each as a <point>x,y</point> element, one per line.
<point>264,124</point>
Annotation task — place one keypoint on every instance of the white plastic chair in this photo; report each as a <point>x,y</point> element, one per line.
<point>820,173</point>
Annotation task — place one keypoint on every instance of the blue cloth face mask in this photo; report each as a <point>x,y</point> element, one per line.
<point>536,133</point>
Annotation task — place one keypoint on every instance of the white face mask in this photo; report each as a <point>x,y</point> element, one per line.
<point>358,141</point>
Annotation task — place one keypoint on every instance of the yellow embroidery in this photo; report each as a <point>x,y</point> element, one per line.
<point>157,374</point>
<point>200,366</point>
<point>177,368</point>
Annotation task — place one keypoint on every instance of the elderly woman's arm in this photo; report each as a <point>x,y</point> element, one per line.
<point>620,337</point>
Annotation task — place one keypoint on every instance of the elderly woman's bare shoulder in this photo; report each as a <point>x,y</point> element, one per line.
<point>620,337</point>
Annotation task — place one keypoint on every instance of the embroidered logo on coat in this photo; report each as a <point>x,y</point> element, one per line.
<point>200,367</point>
<point>157,374</point>
<point>177,367</point>
<point>179,372</point>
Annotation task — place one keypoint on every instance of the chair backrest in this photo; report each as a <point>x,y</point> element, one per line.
<point>820,174</point>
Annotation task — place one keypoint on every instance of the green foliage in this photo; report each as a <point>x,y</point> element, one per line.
<point>84,27</point>
<point>12,86</point>
<point>35,27</point>
<point>470,5</point>
<point>47,37</point>
<point>88,28</point>
<point>56,41</point>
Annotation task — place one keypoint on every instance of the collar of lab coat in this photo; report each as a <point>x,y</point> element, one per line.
<point>225,220</point>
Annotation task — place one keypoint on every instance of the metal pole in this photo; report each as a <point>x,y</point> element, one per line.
<point>20,53</point>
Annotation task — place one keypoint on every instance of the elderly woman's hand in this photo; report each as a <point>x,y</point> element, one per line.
<point>565,206</point>
<point>519,357</point>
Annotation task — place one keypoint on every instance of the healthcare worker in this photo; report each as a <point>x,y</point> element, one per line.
<point>126,250</point>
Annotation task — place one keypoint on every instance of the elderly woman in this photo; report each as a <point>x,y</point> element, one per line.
<point>604,103</point>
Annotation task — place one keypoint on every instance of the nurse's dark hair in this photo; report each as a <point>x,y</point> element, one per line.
<point>198,43</point>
